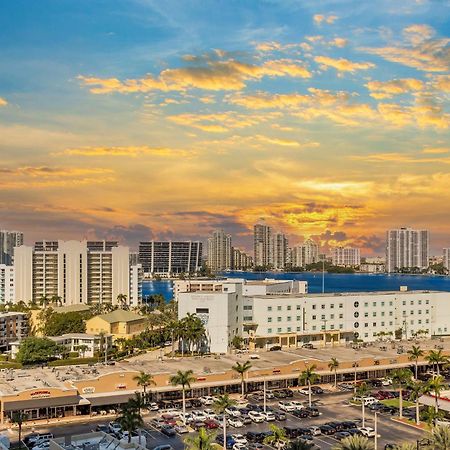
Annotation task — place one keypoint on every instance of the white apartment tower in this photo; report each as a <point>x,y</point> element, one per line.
<point>262,245</point>
<point>280,251</point>
<point>77,272</point>
<point>345,256</point>
<point>9,240</point>
<point>7,292</point>
<point>446,258</point>
<point>406,248</point>
<point>305,254</point>
<point>219,251</point>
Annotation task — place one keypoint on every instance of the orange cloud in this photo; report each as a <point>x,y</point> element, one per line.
<point>416,34</point>
<point>321,18</point>
<point>3,102</point>
<point>436,150</point>
<point>130,151</point>
<point>339,42</point>
<point>342,64</point>
<point>387,89</point>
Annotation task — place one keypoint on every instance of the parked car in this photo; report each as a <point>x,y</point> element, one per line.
<point>316,390</point>
<point>275,348</point>
<point>103,428</point>
<point>269,416</point>
<point>235,422</point>
<point>367,431</point>
<point>312,411</point>
<point>257,417</point>
<point>206,400</point>
<point>153,406</point>
<point>211,424</point>
<point>341,435</point>
<point>300,413</point>
<point>181,429</point>
<point>315,430</point>
<point>279,415</point>
<point>168,430</point>
<point>304,391</point>
<point>233,411</point>
<point>308,345</point>
<point>291,432</point>
<point>239,439</point>
<point>326,429</point>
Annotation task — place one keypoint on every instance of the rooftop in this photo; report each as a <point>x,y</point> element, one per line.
<point>120,315</point>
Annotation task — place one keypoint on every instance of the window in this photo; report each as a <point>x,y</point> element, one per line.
<point>427,311</point>
<point>356,304</point>
<point>248,318</point>
<point>288,307</point>
<point>299,307</point>
<point>411,312</point>
<point>382,313</point>
<point>412,302</point>
<point>314,306</point>
<point>314,317</point>
<point>382,324</point>
<point>269,319</point>
<point>374,314</point>
<point>391,303</point>
<point>412,322</point>
<point>341,326</point>
<point>427,302</point>
<point>299,318</point>
<point>374,324</point>
<point>278,308</point>
<point>404,302</point>
<point>341,305</point>
<point>322,317</point>
<point>341,316</point>
<point>427,321</point>
<point>331,316</point>
<point>390,313</point>
<point>289,329</point>
<point>419,322</point>
<point>269,330</point>
<point>322,306</point>
<point>332,306</point>
<point>382,303</point>
<point>314,328</point>
<point>269,308</point>
<point>366,304</point>
<point>391,323</point>
<point>288,318</point>
<point>366,334</point>
<point>278,330</point>
<point>322,327</point>
<point>299,329</point>
<point>356,314</point>
<point>366,314</point>
<point>248,307</point>
<point>374,304</point>
<point>278,319</point>
<point>420,302</point>
<point>366,325</point>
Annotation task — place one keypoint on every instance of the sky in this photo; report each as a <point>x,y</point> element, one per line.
<point>148,119</point>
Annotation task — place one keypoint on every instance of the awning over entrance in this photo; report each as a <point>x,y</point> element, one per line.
<point>69,400</point>
<point>117,399</point>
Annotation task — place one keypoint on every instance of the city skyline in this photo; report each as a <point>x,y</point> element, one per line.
<point>142,120</point>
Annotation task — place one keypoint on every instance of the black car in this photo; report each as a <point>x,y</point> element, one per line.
<point>326,429</point>
<point>168,430</point>
<point>102,427</point>
<point>288,392</point>
<point>275,348</point>
<point>348,425</point>
<point>341,435</point>
<point>255,446</point>
<point>253,436</point>
<point>354,431</point>
<point>279,415</point>
<point>300,413</point>
<point>336,425</point>
<point>312,412</point>
<point>316,390</point>
<point>304,432</point>
<point>291,432</point>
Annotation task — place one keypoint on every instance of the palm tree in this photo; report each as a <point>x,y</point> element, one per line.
<point>130,419</point>
<point>401,377</point>
<point>333,365</point>
<point>436,358</point>
<point>355,443</point>
<point>121,342</point>
<point>122,301</point>
<point>308,376</point>
<point>436,386</point>
<point>19,418</point>
<point>430,415</point>
<point>242,369</point>
<point>300,444</point>
<point>361,391</point>
<point>202,441</point>
<point>406,446</point>
<point>414,354</point>
<point>440,438</point>
<point>183,379</point>
<point>144,380</point>
<point>417,389</point>
<point>220,405</point>
<point>277,438</point>
<point>83,348</point>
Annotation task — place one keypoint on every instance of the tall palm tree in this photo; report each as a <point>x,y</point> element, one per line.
<point>435,386</point>
<point>242,369</point>
<point>440,438</point>
<point>144,380</point>
<point>417,389</point>
<point>183,379</point>
<point>276,438</point>
<point>19,418</point>
<point>220,404</point>
<point>400,378</point>
<point>202,441</point>
<point>308,376</point>
<point>122,301</point>
<point>436,358</point>
<point>333,365</point>
<point>130,419</point>
<point>83,348</point>
<point>300,444</point>
<point>355,443</point>
<point>414,354</point>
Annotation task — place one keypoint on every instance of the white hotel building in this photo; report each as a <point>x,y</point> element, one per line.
<point>266,314</point>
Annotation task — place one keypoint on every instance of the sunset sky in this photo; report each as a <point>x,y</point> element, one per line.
<point>164,119</point>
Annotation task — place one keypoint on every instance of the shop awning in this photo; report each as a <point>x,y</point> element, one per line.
<point>69,400</point>
<point>117,399</point>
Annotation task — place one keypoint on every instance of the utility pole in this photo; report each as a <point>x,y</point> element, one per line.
<point>375,427</point>
<point>264,390</point>
<point>323,275</point>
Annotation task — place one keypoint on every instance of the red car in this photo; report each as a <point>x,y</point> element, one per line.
<point>211,424</point>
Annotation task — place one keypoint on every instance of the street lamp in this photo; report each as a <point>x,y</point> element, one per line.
<point>355,365</point>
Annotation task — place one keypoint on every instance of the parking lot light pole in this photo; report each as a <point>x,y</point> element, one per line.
<point>264,391</point>
<point>375,427</point>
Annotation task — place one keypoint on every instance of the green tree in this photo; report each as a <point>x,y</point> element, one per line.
<point>130,419</point>
<point>400,378</point>
<point>144,380</point>
<point>34,350</point>
<point>19,418</point>
<point>333,365</point>
<point>237,342</point>
<point>83,348</point>
<point>300,444</point>
<point>183,379</point>
<point>277,438</point>
<point>122,301</point>
<point>202,441</point>
<point>414,354</point>
<point>220,404</point>
<point>435,386</point>
<point>417,389</point>
<point>436,359</point>
<point>361,391</point>
<point>309,377</point>
<point>354,443</point>
<point>57,324</point>
<point>406,446</point>
<point>242,369</point>
<point>440,438</point>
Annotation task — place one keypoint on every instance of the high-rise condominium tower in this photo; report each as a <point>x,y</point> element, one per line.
<point>280,251</point>
<point>9,240</point>
<point>262,245</point>
<point>446,259</point>
<point>346,256</point>
<point>406,248</point>
<point>220,253</point>
<point>304,254</point>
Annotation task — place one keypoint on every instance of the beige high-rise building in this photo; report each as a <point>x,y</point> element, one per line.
<point>241,260</point>
<point>305,254</point>
<point>7,292</point>
<point>446,258</point>
<point>262,245</point>
<point>85,272</point>
<point>280,251</point>
<point>219,251</point>
<point>345,256</point>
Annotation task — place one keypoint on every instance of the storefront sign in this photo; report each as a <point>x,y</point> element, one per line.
<point>40,394</point>
<point>121,386</point>
<point>88,390</point>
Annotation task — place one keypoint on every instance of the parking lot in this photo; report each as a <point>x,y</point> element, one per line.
<point>331,406</point>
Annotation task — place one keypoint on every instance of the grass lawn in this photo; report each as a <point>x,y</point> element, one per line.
<point>395,403</point>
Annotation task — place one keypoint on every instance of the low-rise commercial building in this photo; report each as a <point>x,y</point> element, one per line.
<point>119,323</point>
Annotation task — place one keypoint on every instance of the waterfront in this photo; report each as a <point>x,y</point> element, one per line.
<point>358,282</point>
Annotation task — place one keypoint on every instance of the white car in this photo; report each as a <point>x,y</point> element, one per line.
<point>233,411</point>
<point>367,431</point>
<point>114,427</point>
<point>269,416</point>
<point>235,422</point>
<point>287,406</point>
<point>298,405</point>
<point>153,406</point>
<point>269,395</point>
<point>386,381</point>
<point>238,446</point>
<point>256,416</point>
<point>207,400</point>
<point>304,391</point>
<point>199,416</point>
<point>209,413</point>
<point>315,431</point>
<point>239,439</point>
<point>187,418</point>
